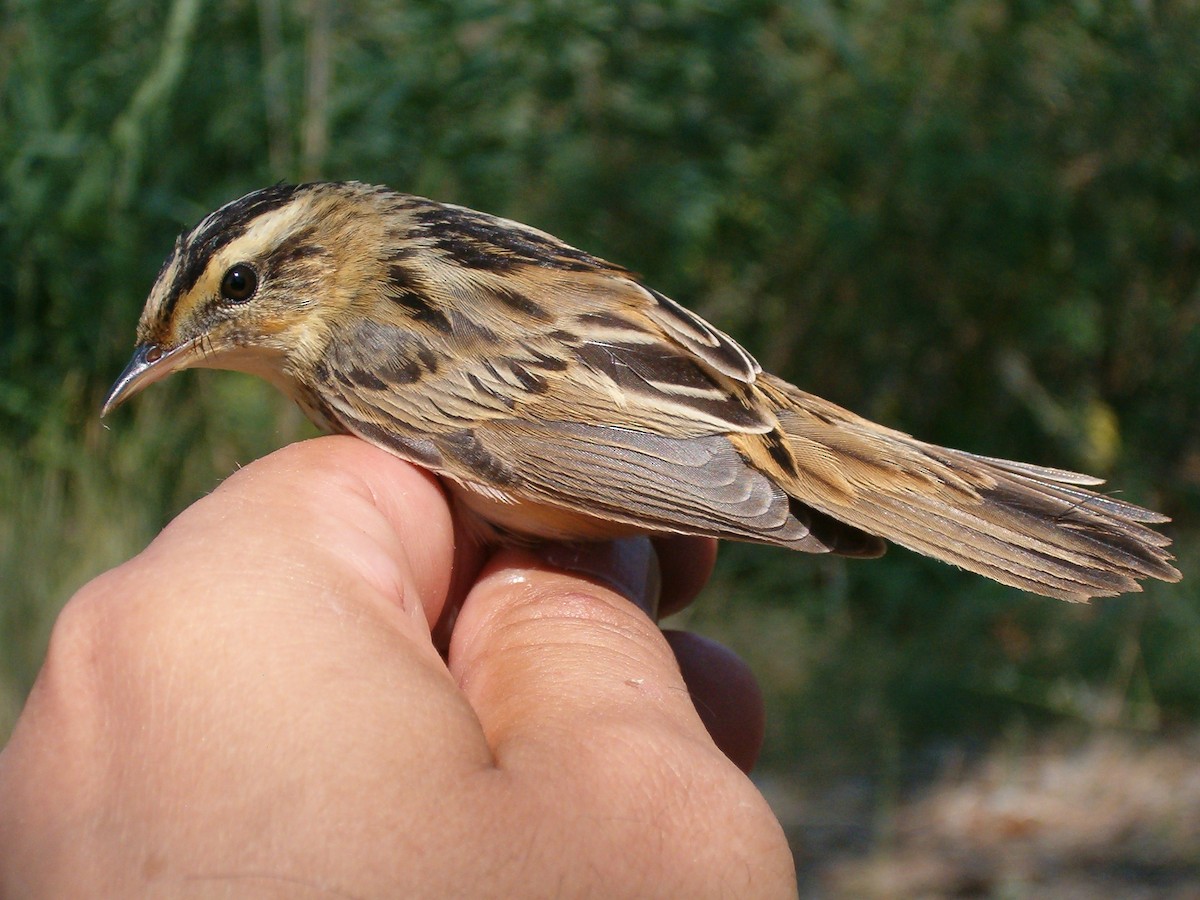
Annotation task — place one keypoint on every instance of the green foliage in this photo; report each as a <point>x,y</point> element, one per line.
<point>976,221</point>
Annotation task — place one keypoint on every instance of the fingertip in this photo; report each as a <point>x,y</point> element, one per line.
<point>332,501</point>
<point>629,566</point>
<point>686,563</point>
<point>726,695</point>
<point>544,655</point>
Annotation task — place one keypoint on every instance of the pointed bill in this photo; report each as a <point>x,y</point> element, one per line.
<point>150,363</point>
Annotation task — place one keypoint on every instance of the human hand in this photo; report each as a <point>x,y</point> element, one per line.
<point>257,705</point>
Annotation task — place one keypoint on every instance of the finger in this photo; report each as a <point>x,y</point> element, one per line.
<point>321,566</point>
<point>726,695</point>
<point>583,705</point>
<point>681,566</point>
<point>276,632</point>
<point>723,689</point>
<point>686,563</point>
<point>329,555</point>
<point>630,567</point>
<point>330,505</point>
<point>549,658</point>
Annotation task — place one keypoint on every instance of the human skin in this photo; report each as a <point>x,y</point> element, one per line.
<point>263,703</point>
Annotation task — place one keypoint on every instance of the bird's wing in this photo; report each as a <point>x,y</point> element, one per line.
<point>572,385</point>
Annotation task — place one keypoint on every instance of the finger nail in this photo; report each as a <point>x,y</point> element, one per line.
<point>628,566</point>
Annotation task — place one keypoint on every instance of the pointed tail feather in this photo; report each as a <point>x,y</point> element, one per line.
<point>1034,528</point>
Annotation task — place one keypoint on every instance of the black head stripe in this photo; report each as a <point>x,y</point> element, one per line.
<point>225,225</point>
<point>476,240</point>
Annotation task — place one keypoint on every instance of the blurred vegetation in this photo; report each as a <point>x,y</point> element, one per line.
<point>976,221</point>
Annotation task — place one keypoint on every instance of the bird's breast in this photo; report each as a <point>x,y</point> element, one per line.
<point>505,517</point>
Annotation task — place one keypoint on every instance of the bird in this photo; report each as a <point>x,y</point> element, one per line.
<point>559,398</point>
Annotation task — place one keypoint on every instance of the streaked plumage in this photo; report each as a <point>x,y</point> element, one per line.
<point>561,398</point>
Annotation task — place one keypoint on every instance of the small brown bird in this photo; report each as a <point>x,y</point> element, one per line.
<point>560,398</point>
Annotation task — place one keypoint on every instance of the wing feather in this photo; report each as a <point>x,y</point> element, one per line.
<point>692,485</point>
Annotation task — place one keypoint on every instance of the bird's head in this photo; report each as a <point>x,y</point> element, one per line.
<point>255,286</point>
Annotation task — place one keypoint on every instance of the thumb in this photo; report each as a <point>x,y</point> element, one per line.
<point>581,700</point>
<point>549,658</point>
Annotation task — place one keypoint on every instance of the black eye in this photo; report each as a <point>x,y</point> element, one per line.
<point>239,283</point>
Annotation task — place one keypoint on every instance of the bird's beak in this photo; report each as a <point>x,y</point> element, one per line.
<point>150,363</point>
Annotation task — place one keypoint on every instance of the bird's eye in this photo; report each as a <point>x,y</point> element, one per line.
<point>239,283</point>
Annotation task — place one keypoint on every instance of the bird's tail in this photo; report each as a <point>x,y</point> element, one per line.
<point>1034,528</point>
